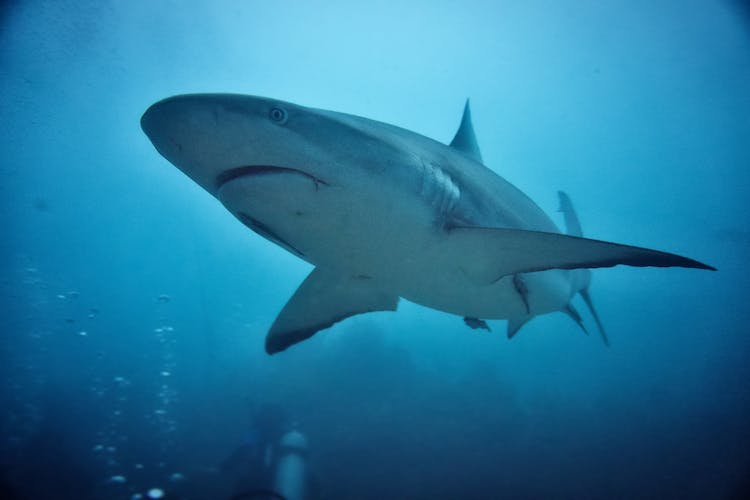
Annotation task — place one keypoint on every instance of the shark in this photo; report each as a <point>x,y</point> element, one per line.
<point>384,213</point>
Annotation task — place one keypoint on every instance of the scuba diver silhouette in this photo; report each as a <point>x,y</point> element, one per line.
<point>271,461</point>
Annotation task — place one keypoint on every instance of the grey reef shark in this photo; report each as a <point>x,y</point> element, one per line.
<point>382,213</point>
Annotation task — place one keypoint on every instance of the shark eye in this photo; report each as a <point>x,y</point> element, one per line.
<point>278,115</point>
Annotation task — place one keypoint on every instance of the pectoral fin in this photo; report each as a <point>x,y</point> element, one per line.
<point>325,298</point>
<point>488,254</point>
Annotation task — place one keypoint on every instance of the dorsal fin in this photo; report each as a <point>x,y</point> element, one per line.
<point>572,224</point>
<point>465,140</point>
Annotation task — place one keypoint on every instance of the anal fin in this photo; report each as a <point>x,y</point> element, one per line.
<point>515,324</point>
<point>325,298</point>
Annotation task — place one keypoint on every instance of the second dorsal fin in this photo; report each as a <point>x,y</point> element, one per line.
<point>465,140</point>
<point>572,224</point>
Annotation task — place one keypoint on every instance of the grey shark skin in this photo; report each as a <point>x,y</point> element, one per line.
<point>382,213</point>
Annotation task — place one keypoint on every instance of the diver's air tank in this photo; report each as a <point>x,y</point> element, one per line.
<point>291,467</point>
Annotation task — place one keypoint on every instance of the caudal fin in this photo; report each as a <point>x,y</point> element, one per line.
<point>587,299</point>
<point>573,314</point>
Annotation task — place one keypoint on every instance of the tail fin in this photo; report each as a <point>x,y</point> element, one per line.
<point>573,314</point>
<point>573,228</point>
<point>587,299</point>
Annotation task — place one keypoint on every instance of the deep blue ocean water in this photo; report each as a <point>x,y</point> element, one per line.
<point>134,306</point>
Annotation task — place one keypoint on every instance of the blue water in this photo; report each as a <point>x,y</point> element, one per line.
<point>134,306</point>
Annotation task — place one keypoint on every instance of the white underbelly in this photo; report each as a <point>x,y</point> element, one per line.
<point>392,243</point>
<point>545,291</point>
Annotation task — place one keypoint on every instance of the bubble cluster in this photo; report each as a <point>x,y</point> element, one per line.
<point>60,327</point>
<point>162,415</point>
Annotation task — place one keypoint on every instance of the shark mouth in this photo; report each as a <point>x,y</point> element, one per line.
<point>262,229</point>
<point>247,170</point>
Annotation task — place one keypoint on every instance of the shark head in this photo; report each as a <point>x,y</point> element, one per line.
<point>268,161</point>
<point>215,138</point>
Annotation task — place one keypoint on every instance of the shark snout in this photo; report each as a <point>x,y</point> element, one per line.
<point>217,138</point>
<point>153,118</point>
<point>166,124</point>
<point>156,124</point>
<point>203,135</point>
